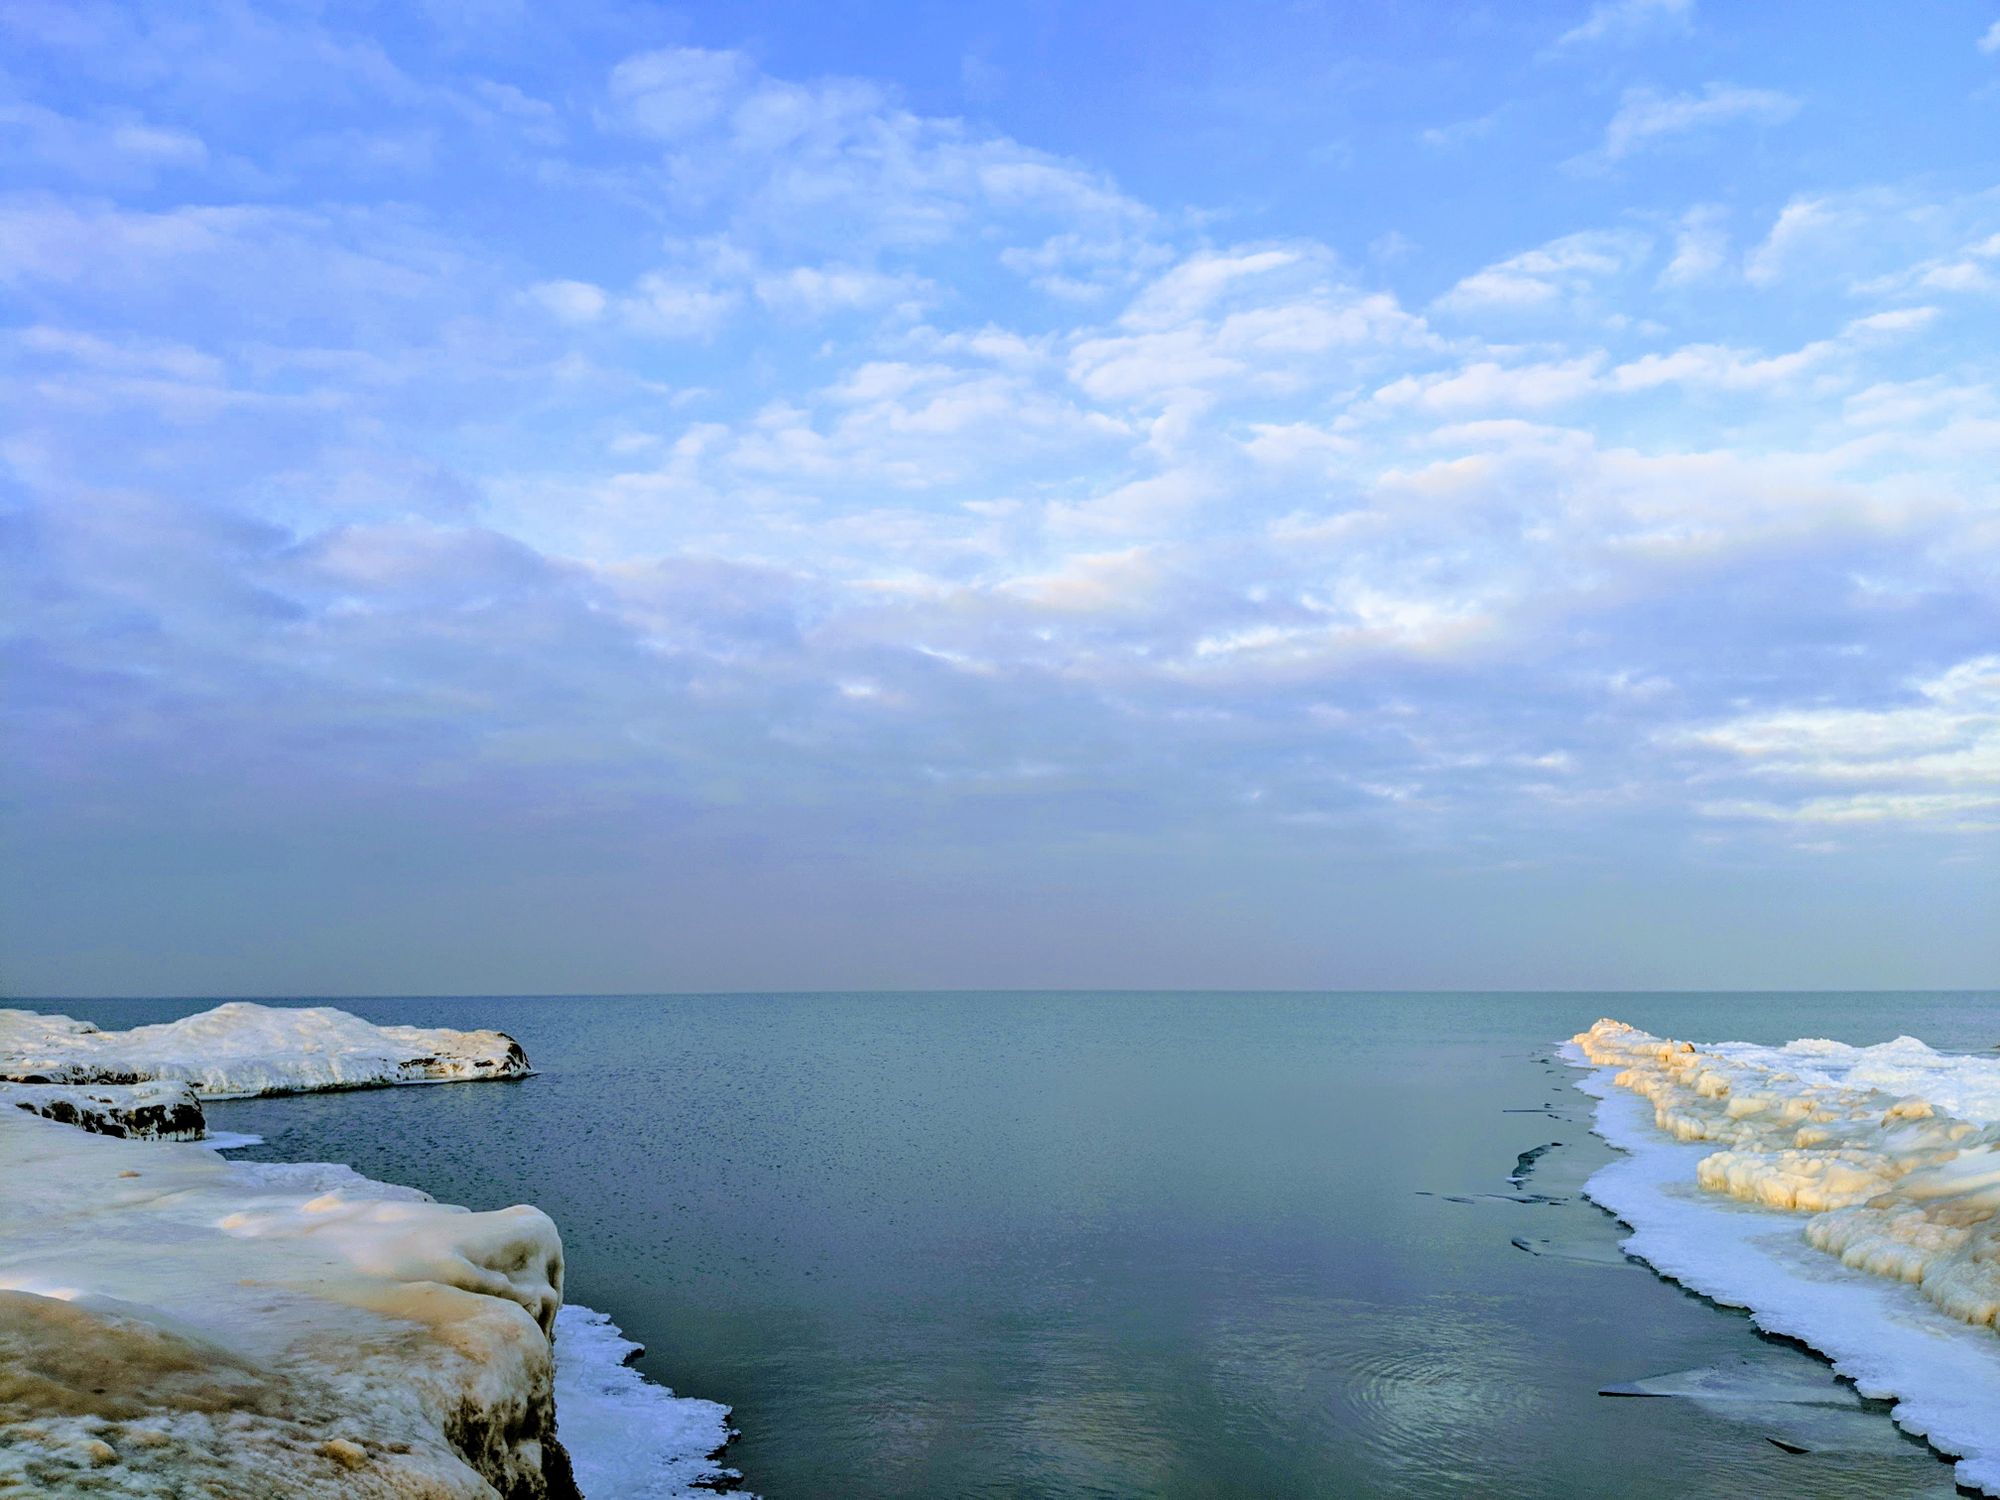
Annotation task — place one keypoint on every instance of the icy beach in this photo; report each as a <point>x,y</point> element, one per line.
<point>175,1322</point>
<point>1891,1151</point>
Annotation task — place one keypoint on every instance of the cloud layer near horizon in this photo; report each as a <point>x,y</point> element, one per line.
<point>669,522</point>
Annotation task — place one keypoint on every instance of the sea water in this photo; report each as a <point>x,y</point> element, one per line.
<point>1129,1244</point>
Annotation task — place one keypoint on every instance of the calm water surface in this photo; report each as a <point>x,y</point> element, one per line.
<point>1113,1244</point>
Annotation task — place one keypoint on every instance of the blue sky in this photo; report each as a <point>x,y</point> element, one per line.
<point>610,497</point>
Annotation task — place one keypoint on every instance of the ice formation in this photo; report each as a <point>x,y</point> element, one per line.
<point>1893,1150</point>
<point>240,1048</point>
<point>174,1323</point>
<point>629,1438</point>
<point>144,1111</point>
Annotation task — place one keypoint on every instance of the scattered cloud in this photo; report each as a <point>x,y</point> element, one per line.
<point>1626,21</point>
<point>675,449</point>
<point>1932,759</point>
<point>1646,117</point>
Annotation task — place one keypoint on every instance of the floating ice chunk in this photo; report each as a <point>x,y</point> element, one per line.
<point>1802,1410</point>
<point>1740,1380</point>
<point>241,1048</point>
<point>628,1438</point>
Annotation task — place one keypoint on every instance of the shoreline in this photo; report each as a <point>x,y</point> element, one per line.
<point>1939,1374</point>
<point>172,1317</point>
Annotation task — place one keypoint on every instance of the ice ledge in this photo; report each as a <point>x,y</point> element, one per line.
<point>241,1049</point>
<point>175,1323</point>
<point>138,1111</point>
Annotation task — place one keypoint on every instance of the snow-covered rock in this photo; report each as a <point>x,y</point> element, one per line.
<point>240,1048</point>
<point>175,1323</point>
<point>142,1111</point>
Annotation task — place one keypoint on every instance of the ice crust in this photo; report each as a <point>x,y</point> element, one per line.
<point>241,1049</point>
<point>1895,1152</point>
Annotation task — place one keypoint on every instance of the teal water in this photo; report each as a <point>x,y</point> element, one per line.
<point>1117,1244</point>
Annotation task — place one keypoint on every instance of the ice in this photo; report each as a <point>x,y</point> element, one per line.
<point>175,1322</point>
<point>1905,1190</point>
<point>241,1049</point>
<point>629,1438</point>
<point>229,1140</point>
<point>1802,1410</point>
<point>151,1111</point>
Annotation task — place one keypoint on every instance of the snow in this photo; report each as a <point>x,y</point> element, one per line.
<point>153,1111</point>
<point>241,1049</point>
<point>626,1435</point>
<point>1901,1252</point>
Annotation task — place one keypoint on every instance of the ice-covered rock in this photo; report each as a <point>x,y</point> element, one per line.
<point>240,1048</point>
<point>142,1111</point>
<point>175,1323</point>
<point>1895,1152</point>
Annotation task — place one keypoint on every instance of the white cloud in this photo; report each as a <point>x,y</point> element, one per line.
<point>1193,286</point>
<point>818,290</point>
<point>1488,386</point>
<point>1090,582</point>
<point>679,307</point>
<point>570,301</point>
<point>1799,222</point>
<point>1547,275</point>
<point>1701,247</point>
<point>678,90</point>
<point>1990,42</point>
<point>1646,116</point>
<point>1932,760</point>
<point>1718,367</point>
<point>1628,20</point>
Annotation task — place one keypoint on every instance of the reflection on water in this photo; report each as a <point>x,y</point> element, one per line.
<point>1183,1245</point>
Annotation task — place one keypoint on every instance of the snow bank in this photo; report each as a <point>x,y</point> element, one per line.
<point>143,1111</point>
<point>240,1048</point>
<point>1894,1150</point>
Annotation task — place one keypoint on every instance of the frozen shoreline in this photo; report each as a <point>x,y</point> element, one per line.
<point>184,1321</point>
<point>1836,1132</point>
<point>241,1049</point>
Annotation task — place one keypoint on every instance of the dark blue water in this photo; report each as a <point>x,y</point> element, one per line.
<point>1111,1244</point>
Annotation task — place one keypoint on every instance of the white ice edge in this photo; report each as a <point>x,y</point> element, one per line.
<point>628,1435</point>
<point>1942,1375</point>
<point>229,1140</point>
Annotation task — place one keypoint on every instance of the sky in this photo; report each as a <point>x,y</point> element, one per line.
<point>609,497</point>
